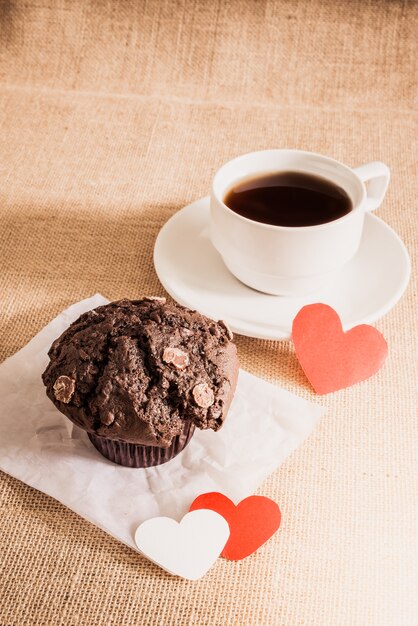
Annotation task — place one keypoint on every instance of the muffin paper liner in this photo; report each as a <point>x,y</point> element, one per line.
<point>133,455</point>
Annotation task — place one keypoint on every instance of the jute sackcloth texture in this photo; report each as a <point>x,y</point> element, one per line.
<point>114,115</point>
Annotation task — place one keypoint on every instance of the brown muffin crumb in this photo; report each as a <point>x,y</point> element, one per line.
<point>136,371</point>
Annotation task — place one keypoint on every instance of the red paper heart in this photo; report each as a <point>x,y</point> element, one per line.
<point>331,358</point>
<point>251,522</point>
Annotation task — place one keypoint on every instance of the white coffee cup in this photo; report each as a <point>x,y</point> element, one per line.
<point>292,260</point>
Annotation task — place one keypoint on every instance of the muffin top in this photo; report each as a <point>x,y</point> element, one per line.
<point>136,370</point>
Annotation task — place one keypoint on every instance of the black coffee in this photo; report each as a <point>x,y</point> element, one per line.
<point>288,199</point>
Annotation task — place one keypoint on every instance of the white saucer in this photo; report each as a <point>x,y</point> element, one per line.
<point>193,273</point>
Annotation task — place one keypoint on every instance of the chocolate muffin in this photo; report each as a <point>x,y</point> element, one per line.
<point>140,375</point>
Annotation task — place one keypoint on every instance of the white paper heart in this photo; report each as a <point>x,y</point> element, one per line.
<point>187,549</point>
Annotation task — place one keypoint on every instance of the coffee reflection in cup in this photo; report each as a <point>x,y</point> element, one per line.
<point>288,199</point>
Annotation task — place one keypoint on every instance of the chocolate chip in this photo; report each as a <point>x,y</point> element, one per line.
<point>64,388</point>
<point>176,357</point>
<point>203,395</point>
<point>108,418</point>
<point>155,317</point>
<point>155,299</point>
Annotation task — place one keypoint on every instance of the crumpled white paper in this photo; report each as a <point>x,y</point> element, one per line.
<point>41,447</point>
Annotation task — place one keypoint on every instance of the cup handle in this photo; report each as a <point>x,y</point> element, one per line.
<point>375,176</point>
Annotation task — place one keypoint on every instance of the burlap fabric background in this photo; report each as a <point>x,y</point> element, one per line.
<point>114,115</point>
